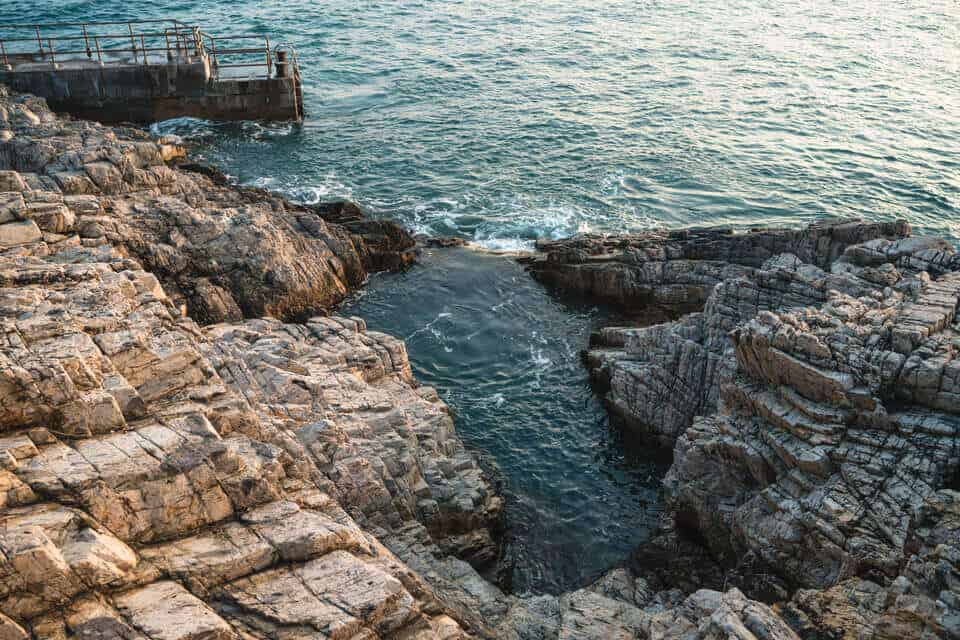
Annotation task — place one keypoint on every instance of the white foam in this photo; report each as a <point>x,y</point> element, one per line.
<point>505,245</point>
<point>497,399</point>
<point>184,127</point>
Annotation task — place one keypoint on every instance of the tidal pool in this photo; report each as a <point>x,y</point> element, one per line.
<point>505,355</point>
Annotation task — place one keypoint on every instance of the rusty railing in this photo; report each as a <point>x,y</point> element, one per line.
<point>139,42</point>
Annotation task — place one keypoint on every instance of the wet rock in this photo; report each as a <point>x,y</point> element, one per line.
<point>444,242</point>
<point>339,212</point>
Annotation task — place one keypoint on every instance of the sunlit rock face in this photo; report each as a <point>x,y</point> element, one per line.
<point>224,252</point>
<point>165,480</point>
<point>812,405</point>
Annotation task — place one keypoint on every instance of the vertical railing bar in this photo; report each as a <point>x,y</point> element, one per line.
<point>39,40</point>
<point>214,60</point>
<point>166,37</point>
<point>86,41</point>
<point>3,52</point>
<point>53,55</point>
<point>143,49</point>
<point>133,42</point>
<point>267,43</point>
<point>96,43</point>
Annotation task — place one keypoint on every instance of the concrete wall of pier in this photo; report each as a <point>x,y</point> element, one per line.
<point>149,93</point>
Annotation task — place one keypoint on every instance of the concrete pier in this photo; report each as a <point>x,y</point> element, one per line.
<point>154,75</point>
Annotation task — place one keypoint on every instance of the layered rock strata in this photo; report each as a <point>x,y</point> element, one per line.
<point>165,480</point>
<point>663,376</point>
<point>812,404</point>
<point>252,478</point>
<point>223,252</point>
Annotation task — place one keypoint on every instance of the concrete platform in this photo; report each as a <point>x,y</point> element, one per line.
<point>119,92</point>
<point>151,76</point>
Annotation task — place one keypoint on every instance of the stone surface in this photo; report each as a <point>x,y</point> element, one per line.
<point>262,478</point>
<point>19,232</point>
<point>811,399</point>
<point>155,474</point>
<point>220,250</point>
<point>678,269</point>
<point>660,377</point>
<point>252,478</point>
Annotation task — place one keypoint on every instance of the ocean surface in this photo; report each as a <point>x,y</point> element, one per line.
<point>506,121</point>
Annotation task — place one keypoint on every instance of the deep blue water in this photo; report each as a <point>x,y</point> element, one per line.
<point>503,121</point>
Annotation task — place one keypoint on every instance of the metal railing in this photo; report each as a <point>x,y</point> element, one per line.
<point>141,42</point>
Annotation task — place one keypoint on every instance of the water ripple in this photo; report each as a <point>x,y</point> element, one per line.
<point>523,110</point>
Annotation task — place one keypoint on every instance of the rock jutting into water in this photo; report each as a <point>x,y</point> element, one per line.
<point>812,402</point>
<point>175,468</point>
<point>166,480</point>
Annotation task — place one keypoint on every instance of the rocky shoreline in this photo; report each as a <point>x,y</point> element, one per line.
<point>191,450</point>
<point>811,403</point>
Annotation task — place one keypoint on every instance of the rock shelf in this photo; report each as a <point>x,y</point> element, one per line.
<point>811,400</point>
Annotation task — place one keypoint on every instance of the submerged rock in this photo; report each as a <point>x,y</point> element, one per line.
<point>812,404</point>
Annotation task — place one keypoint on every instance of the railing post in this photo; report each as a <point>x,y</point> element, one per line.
<point>166,37</point>
<point>96,43</point>
<point>3,52</point>
<point>143,49</point>
<point>269,58</point>
<point>282,64</point>
<point>39,41</point>
<point>53,55</point>
<point>86,41</point>
<point>176,31</point>
<point>133,42</point>
<point>197,42</point>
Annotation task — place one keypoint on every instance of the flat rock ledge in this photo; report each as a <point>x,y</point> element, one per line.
<point>810,389</point>
<point>175,467</point>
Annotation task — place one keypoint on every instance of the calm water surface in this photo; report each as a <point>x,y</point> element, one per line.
<point>505,355</point>
<point>506,121</point>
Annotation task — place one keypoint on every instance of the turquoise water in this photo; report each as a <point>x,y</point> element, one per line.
<point>506,121</point>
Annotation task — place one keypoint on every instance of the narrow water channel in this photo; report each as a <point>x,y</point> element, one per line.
<point>505,355</point>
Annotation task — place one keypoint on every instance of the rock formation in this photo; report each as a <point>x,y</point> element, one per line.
<point>164,480</point>
<point>174,467</point>
<point>224,252</point>
<point>812,404</point>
